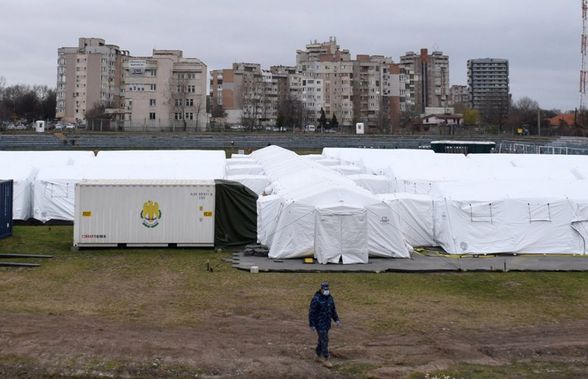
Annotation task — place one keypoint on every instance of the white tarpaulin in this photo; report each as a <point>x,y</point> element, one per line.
<point>54,187</point>
<point>22,167</point>
<point>309,191</point>
<point>268,212</point>
<point>415,213</point>
<point>256,183</point>
<point>244,169</point>
<point>505,217</point>
<point>341,235</point>
<point>376,184</point>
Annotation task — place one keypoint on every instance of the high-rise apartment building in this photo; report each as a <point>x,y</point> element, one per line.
<point>326,61</point>
<point>366,89</point>
<point>164,90</point>
<point>488,87</point>
<point>426,80</point>
<point>87,75</point>
<point>376,91</point>
<point>458,94</point>
<point>325,77</point>
<point>247,93</point>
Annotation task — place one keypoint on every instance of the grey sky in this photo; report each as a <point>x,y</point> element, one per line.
<point>540,38</point>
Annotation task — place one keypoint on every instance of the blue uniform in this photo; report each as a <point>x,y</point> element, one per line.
<point>322,310</point>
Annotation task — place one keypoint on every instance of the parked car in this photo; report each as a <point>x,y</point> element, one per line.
<point>310,128</point>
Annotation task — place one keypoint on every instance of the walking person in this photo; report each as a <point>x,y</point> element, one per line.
<point>322,310</point>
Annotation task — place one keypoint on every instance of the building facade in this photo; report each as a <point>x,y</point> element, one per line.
<point>87,76</point>
<point>161,91</point>
<point>488,88</point>
<point>459,94</point>
<point>164,90</point>
<point>425,79</point>
<point>327,62</point>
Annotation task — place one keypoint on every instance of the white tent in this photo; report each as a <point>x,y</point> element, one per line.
<point>256,183</point>
<point>22,167</point>
<point>22,176</point>
<point>322,213</point>
<point>376,184</point>
<point>415,213</point>
<point>515,217</point>
<point>244,169</point>
<point>54,187</point>
<point>268,212</point>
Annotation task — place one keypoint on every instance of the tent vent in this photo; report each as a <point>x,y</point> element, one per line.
<point>539,212</point>
<point>481,213</point>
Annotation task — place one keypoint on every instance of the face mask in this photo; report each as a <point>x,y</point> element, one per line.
<point>326,292</point>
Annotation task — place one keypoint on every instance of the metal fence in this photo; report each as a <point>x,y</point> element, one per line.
<point>521,148</point>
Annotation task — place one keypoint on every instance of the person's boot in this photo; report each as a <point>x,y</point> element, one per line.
<point>327,363</point>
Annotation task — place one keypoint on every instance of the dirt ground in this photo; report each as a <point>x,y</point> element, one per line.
<point>240,346</point>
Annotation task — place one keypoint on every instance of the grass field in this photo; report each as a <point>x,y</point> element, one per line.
<point>170,288</point>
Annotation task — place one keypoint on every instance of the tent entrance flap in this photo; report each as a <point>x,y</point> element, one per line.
<point>341,235</point>
<point>235,221</point>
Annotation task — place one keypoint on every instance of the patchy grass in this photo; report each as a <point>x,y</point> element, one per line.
<point>523,370</point>
<point>172,286</point>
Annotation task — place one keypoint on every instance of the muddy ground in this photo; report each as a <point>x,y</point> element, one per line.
<point>240,346</point>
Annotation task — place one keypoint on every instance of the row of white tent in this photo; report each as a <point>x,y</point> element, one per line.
<point>312,209</point>
<point>484,203</point>
<point>44,182</point>
<point>349,204</point>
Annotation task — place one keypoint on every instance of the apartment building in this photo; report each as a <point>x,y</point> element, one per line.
<point>426,80</point>
<point>87,75</point>
<point>326,61</point>
<point>376,91</point>
<point>488,87</point>
<point>164,90</point>
<point>248,94</point>
<point>458,94</point>
<point>310,92</point>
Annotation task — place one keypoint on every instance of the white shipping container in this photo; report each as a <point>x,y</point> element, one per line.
<point>144,213</point>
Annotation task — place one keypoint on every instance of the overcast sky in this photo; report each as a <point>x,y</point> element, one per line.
<point>540,38</point>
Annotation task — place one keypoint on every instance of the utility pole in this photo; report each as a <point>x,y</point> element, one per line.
<point>538,121</point>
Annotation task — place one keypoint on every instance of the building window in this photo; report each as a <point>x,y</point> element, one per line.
<point>152,87</point>
<point>152,102</point>
<point>151,115</point>
<point>178,102</point>
<point>178,115</point>
<point>189,102</point>
<point>189,116</point>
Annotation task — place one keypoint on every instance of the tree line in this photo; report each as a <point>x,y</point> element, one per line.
<point>25,103</point>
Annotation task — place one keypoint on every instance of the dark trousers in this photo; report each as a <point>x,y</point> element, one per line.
<point>322,348</point>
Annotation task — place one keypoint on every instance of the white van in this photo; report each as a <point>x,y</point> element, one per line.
<point>310,128</point>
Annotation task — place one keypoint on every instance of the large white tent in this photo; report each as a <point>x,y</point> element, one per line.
<point>483,203</point>
<point>512,217</point>
<point>416,217</point>
<point>22,168</point>
<point>54,186</point>
<point>316,211</point>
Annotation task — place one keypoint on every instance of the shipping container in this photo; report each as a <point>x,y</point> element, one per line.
<point>144,213</point>
<point>6,194</point>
